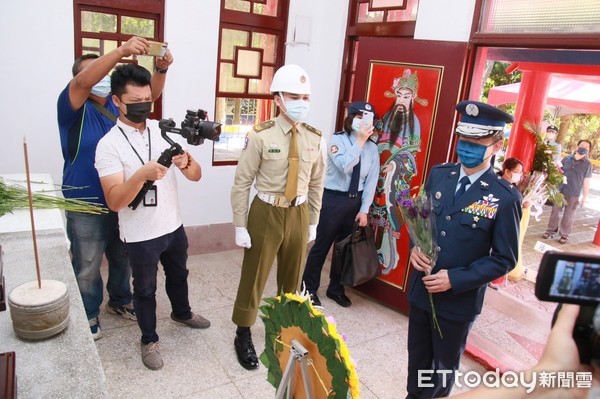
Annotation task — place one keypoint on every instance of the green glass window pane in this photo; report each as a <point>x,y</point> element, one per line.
<point>237,5</point>
<point>137,26</point>
<point>269,9</point>
<point>268,43</point>
<point>540,16</point>
<point>227,82</point>
<point>238,116</point>
<point>263,85</point>
<point>98,22</point>
<point>97,46</point>
<point>146,61</point>
<point>231,38</point>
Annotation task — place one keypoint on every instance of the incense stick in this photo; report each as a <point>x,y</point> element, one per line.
<point>35,250</point>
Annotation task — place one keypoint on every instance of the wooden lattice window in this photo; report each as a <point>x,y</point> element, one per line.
<point>251,40</point>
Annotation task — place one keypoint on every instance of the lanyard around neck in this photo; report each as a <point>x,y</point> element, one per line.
<point>134,150</point>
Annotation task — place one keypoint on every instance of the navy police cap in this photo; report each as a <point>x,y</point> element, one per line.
<point>360,106</point>
<point>480,120</point>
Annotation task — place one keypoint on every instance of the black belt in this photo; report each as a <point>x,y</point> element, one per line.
<point>343,193</point>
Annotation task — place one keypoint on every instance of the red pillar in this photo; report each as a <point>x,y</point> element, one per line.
<point>530,109</point>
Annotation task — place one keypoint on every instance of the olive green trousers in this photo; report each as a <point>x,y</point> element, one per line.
<point>280,233</point>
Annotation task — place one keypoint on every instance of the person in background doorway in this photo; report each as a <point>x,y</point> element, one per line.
<point>86,113</point>
<point>551,133</point>
<point>283,156</point>
<point>352,172</point>
<point>578,173</point>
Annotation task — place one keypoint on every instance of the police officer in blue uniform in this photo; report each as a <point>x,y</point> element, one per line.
<point>477,214</point>
<point>350,180</point>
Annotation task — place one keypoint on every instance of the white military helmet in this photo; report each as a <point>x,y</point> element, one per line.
<point>291,79</point>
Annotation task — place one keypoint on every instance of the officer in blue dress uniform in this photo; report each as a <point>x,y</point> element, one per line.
<point>350,180</point>
<point>477,214</point>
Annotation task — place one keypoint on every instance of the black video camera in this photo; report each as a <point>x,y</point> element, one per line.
<point>571,278</point>
<point>195,128</point>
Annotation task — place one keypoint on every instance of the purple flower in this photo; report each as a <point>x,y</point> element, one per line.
<point>406,203</point>
<point>425,212</point>
<point>413,211</point>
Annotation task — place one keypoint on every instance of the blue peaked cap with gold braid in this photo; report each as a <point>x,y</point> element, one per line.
<point>480,120</point>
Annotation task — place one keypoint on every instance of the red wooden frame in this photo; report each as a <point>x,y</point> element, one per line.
<point>260,63</point>
<point>400,7</point>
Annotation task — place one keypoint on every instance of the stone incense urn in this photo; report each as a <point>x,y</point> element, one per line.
<point>39,313</point>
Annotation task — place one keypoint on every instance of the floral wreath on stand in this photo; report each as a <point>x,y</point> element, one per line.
<point>292,317</point>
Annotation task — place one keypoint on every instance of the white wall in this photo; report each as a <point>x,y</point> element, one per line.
<point>451,22</point>
<point>36,67</point>
<point>192,30</point>
<point>322,58</point>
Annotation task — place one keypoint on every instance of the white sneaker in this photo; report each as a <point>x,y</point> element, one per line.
<point>95,328</point>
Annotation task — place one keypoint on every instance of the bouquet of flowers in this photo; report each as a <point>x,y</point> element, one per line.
<point>417,215</point>
<point>535,193</point>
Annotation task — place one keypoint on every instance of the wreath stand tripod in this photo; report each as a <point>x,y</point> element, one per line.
<point>298,355</point>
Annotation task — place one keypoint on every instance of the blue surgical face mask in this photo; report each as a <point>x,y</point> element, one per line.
<point>356,124</point>
<point>297,110</point>
<point>102,88</point>
<point>582,151</point>
<point>470,154</point>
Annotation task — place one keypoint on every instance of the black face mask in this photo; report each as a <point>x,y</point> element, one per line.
<point>138,112</point>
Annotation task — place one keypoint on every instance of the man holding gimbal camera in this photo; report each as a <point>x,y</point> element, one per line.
<point>126,159</point>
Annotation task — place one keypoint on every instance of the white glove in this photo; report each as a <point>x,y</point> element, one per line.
<point>242,238</point>
<point>312,232</point>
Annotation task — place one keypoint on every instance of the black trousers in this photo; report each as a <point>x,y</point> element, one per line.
<point>428,352</point>
<point>171,250</point>
<point>336,220</point>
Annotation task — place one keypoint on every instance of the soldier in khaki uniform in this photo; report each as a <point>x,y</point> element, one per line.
<point>284,157</point>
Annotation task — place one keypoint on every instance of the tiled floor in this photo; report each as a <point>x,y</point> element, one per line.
<point>510,333</point>
<point>202,363</point>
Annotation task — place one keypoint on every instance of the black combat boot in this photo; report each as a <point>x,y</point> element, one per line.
<point>244,348</point>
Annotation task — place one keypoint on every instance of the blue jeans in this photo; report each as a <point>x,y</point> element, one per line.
<point>171,251</point>
<point>92,236</point>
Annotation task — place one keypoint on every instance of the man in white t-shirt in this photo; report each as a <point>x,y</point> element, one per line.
<point>153,231</point>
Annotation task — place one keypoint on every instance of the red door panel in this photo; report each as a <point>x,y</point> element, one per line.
<point>385,68</point>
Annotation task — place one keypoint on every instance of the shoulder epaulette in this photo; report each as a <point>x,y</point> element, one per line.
<point>311,129</point>
<point>446,165</point>
<point>264,126</point>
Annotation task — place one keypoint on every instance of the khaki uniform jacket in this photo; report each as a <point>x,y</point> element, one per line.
<point>265,158</point>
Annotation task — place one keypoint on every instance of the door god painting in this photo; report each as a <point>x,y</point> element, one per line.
<point>406,95</point>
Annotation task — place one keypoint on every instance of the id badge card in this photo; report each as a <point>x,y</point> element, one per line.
<point>151,199</point>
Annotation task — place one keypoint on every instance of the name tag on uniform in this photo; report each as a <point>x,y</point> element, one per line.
<point>274,150</point>
<point>482,208</point>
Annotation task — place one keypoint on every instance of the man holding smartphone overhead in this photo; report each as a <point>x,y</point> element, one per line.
<point>86,113</point>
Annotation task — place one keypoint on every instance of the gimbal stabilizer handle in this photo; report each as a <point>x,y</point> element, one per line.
<point>166,125</point>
